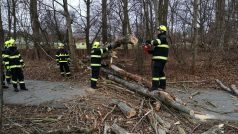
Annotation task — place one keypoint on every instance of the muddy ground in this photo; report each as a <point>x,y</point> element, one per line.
<point>92,111</point>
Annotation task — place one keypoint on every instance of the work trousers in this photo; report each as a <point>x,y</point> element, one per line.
<point>18,77</point>
<point>158,75</point>
<point>64,68</point>
<point>8,76</point>
<point>94,76</point>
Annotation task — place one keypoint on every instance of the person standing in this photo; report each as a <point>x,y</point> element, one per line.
<point>63,60</point>
<point>159,51</point>
<point>14,63</point>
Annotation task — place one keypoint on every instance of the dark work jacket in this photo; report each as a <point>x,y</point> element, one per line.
<point>13,58</point>
<point>160,48</point>
<point>96,56</point>
<point>62,55</point>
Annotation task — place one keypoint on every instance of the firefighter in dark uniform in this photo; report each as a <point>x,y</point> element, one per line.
<point>8,73</point>
<point>63,60</point>
<point>15,64</point>
<point>96,58</point>
<point>159,53</point>
<point>3,77</point>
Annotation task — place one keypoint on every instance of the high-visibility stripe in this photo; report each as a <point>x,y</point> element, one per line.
<point>61,72</point>
<point>101,51</point>
<point>95,65</point>
<point>93,79</point>
<point>68,73</point>
<point>8,76</point>
<point>5,56</point>
<point>96,56</point>
<point>155,78</point>
<point>158,40</point>
<point>14,82</point>
<point>6,63</point>
<point>63,55</point>
<point>57,55</point>
<point>63,61</point>
<point>15,56</point>
<point>21,82</point>
<point>159,57</point>
<point>106,48</point>
<point>162,78</point>
<point>21,60</point>
<point>15,66</point>
<point>163,45</point>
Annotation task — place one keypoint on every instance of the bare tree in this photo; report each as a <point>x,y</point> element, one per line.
<point>70,35</point>
<point>104,21</point>
<point>195,33</point>
<point>35,26</point>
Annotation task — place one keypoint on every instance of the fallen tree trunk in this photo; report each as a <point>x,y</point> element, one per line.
<point>231,90</point>
<point>234,89</point>
<point>159,95</point>
<point>131,76</point>
<point>120,72</point>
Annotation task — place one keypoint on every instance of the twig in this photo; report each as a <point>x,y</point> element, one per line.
<point>108,114</point>
<point>175,82</point>
<point>195,128</point>
<point>141,107</point>
<point>141,120</point>
<point>18,125</point>
<point>232,126</point>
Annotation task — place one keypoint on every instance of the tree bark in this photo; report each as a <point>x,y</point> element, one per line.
<point>88,4</point>
<point>14,18</point>
<point>125,23</point>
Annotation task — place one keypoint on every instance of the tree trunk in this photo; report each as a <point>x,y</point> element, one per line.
<point>1,67</point>
<point>72,47</point>
<point>163,12</point>
<point>104,21</point>
<point>14,18</point>
<point>125,23</point>
<point>195,34</point>
<point>88,4</point>
<point>9,17</point>
<point>35,27</point>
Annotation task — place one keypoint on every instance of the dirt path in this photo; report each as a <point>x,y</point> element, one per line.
<point>44,93</point>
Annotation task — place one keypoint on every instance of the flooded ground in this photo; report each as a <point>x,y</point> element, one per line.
<point>217,103</point>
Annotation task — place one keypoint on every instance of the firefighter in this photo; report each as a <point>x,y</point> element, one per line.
<point>159,53</point>
<point>15,64</point>
<point>3,77</point>
<point>96,58</point>
<point>8,73</point>
<point>63,60</point>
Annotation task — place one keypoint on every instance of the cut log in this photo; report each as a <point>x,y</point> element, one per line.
<point>127,111</point>
<point>131,76</point>
<point>234,89</point>
<point>160,95</point>
<point>118,130</point>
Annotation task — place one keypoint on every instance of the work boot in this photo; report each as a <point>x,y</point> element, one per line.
<point>16,89</point>
<point>23,87</point>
